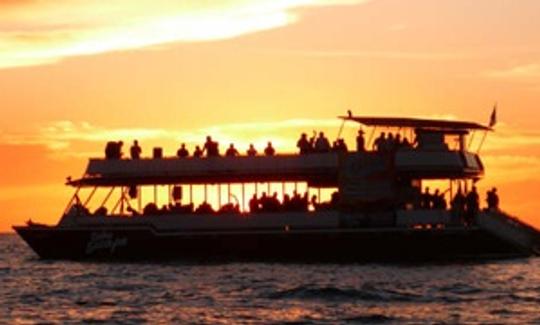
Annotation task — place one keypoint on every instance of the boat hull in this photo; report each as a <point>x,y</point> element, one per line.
<point>317,245</point>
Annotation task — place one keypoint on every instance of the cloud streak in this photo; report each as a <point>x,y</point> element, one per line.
<point>39,32</point>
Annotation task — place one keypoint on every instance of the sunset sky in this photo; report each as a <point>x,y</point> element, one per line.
<point>75,74</point>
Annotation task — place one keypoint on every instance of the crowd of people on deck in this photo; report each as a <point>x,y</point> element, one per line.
<point>257,204</point>
<point>390,142</point>
<point>113,150</point>
<point>318,143</point>
<point>463,205</point>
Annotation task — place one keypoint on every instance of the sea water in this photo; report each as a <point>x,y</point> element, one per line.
<point>37,291</point>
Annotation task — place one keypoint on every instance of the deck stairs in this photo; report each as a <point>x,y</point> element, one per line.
<point>510,229</point>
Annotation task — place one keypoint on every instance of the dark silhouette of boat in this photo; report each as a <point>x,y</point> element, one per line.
<point>377,212</point>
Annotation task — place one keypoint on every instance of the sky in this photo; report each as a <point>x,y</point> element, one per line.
<point>75,74</point>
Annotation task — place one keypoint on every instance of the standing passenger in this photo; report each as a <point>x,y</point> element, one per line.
<point>360,141</point>
<point>322,144</point>
<point>303,144</point>
<point>135,150</point>
<point>472,205</point>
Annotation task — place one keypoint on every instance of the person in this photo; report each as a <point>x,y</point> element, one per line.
<point>322,144</point>
<point>211,147</point>
<point>339,146</point>
<point>182,151</point>
<point>254,203</point>
<point>360,141</point>
<point>398,142</point>
<point>493,199</point>
<point>198,152</point>
<point>438,200</point>
<point>458,204</point>
<point>110,149</point>
<point>379,143</point>
<point>390,142</point>
<point>427,199</point>
<point>231,151</point>
<point>471,205</point>
<point>405,143</point>
<point>119,152</point>
<point>251,151</point>
<point>303,144</point>
<point>269,150</point>
<point>135,150</point>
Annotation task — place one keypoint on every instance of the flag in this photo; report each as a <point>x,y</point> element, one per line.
<point>493,117</point>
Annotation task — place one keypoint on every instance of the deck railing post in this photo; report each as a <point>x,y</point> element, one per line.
<point>140,198</point>
<point>243,198</point>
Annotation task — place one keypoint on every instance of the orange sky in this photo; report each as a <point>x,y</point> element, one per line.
<point>74,74</point>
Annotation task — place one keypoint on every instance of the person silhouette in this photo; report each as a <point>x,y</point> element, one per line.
<point>135,150</point>
<point>269,150</point>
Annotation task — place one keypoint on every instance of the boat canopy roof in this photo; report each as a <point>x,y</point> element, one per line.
<point>317,169</point>
<point>417,123</point>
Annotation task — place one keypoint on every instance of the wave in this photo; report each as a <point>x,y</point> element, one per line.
<point>366,293</point>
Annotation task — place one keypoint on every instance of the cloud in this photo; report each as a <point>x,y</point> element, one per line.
<point>39,32</point>
<point>382,54</point>
<point>519,72</point>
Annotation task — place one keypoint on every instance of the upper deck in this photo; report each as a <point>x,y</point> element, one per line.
<point>428,157</point>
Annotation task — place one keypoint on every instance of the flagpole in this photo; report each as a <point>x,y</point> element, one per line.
<point>482,142</point>
<point>492,122</point>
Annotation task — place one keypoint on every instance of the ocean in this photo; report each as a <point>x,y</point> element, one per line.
<point>33,291</point>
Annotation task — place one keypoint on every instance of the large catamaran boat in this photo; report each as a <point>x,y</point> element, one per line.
<point>376,210</point>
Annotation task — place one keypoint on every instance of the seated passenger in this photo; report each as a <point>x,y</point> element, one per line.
<point>322,144</point>
<point>269,150</point>
<point>303,144</point>
<point>254,204</point>
<point>101,211</point>
<point>360,141</point>
<point>492,199</point>
<point>113,150</point>
<point>231,151</point>
<point>204,208</point>
<point>198,152</point>
<point>229,208</point>
<point>150,208</point>
<point>182,151</point>
<point>135,150</point>
<point>251,151</point>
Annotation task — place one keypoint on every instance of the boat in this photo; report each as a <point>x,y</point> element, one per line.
<point>373,212</point>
